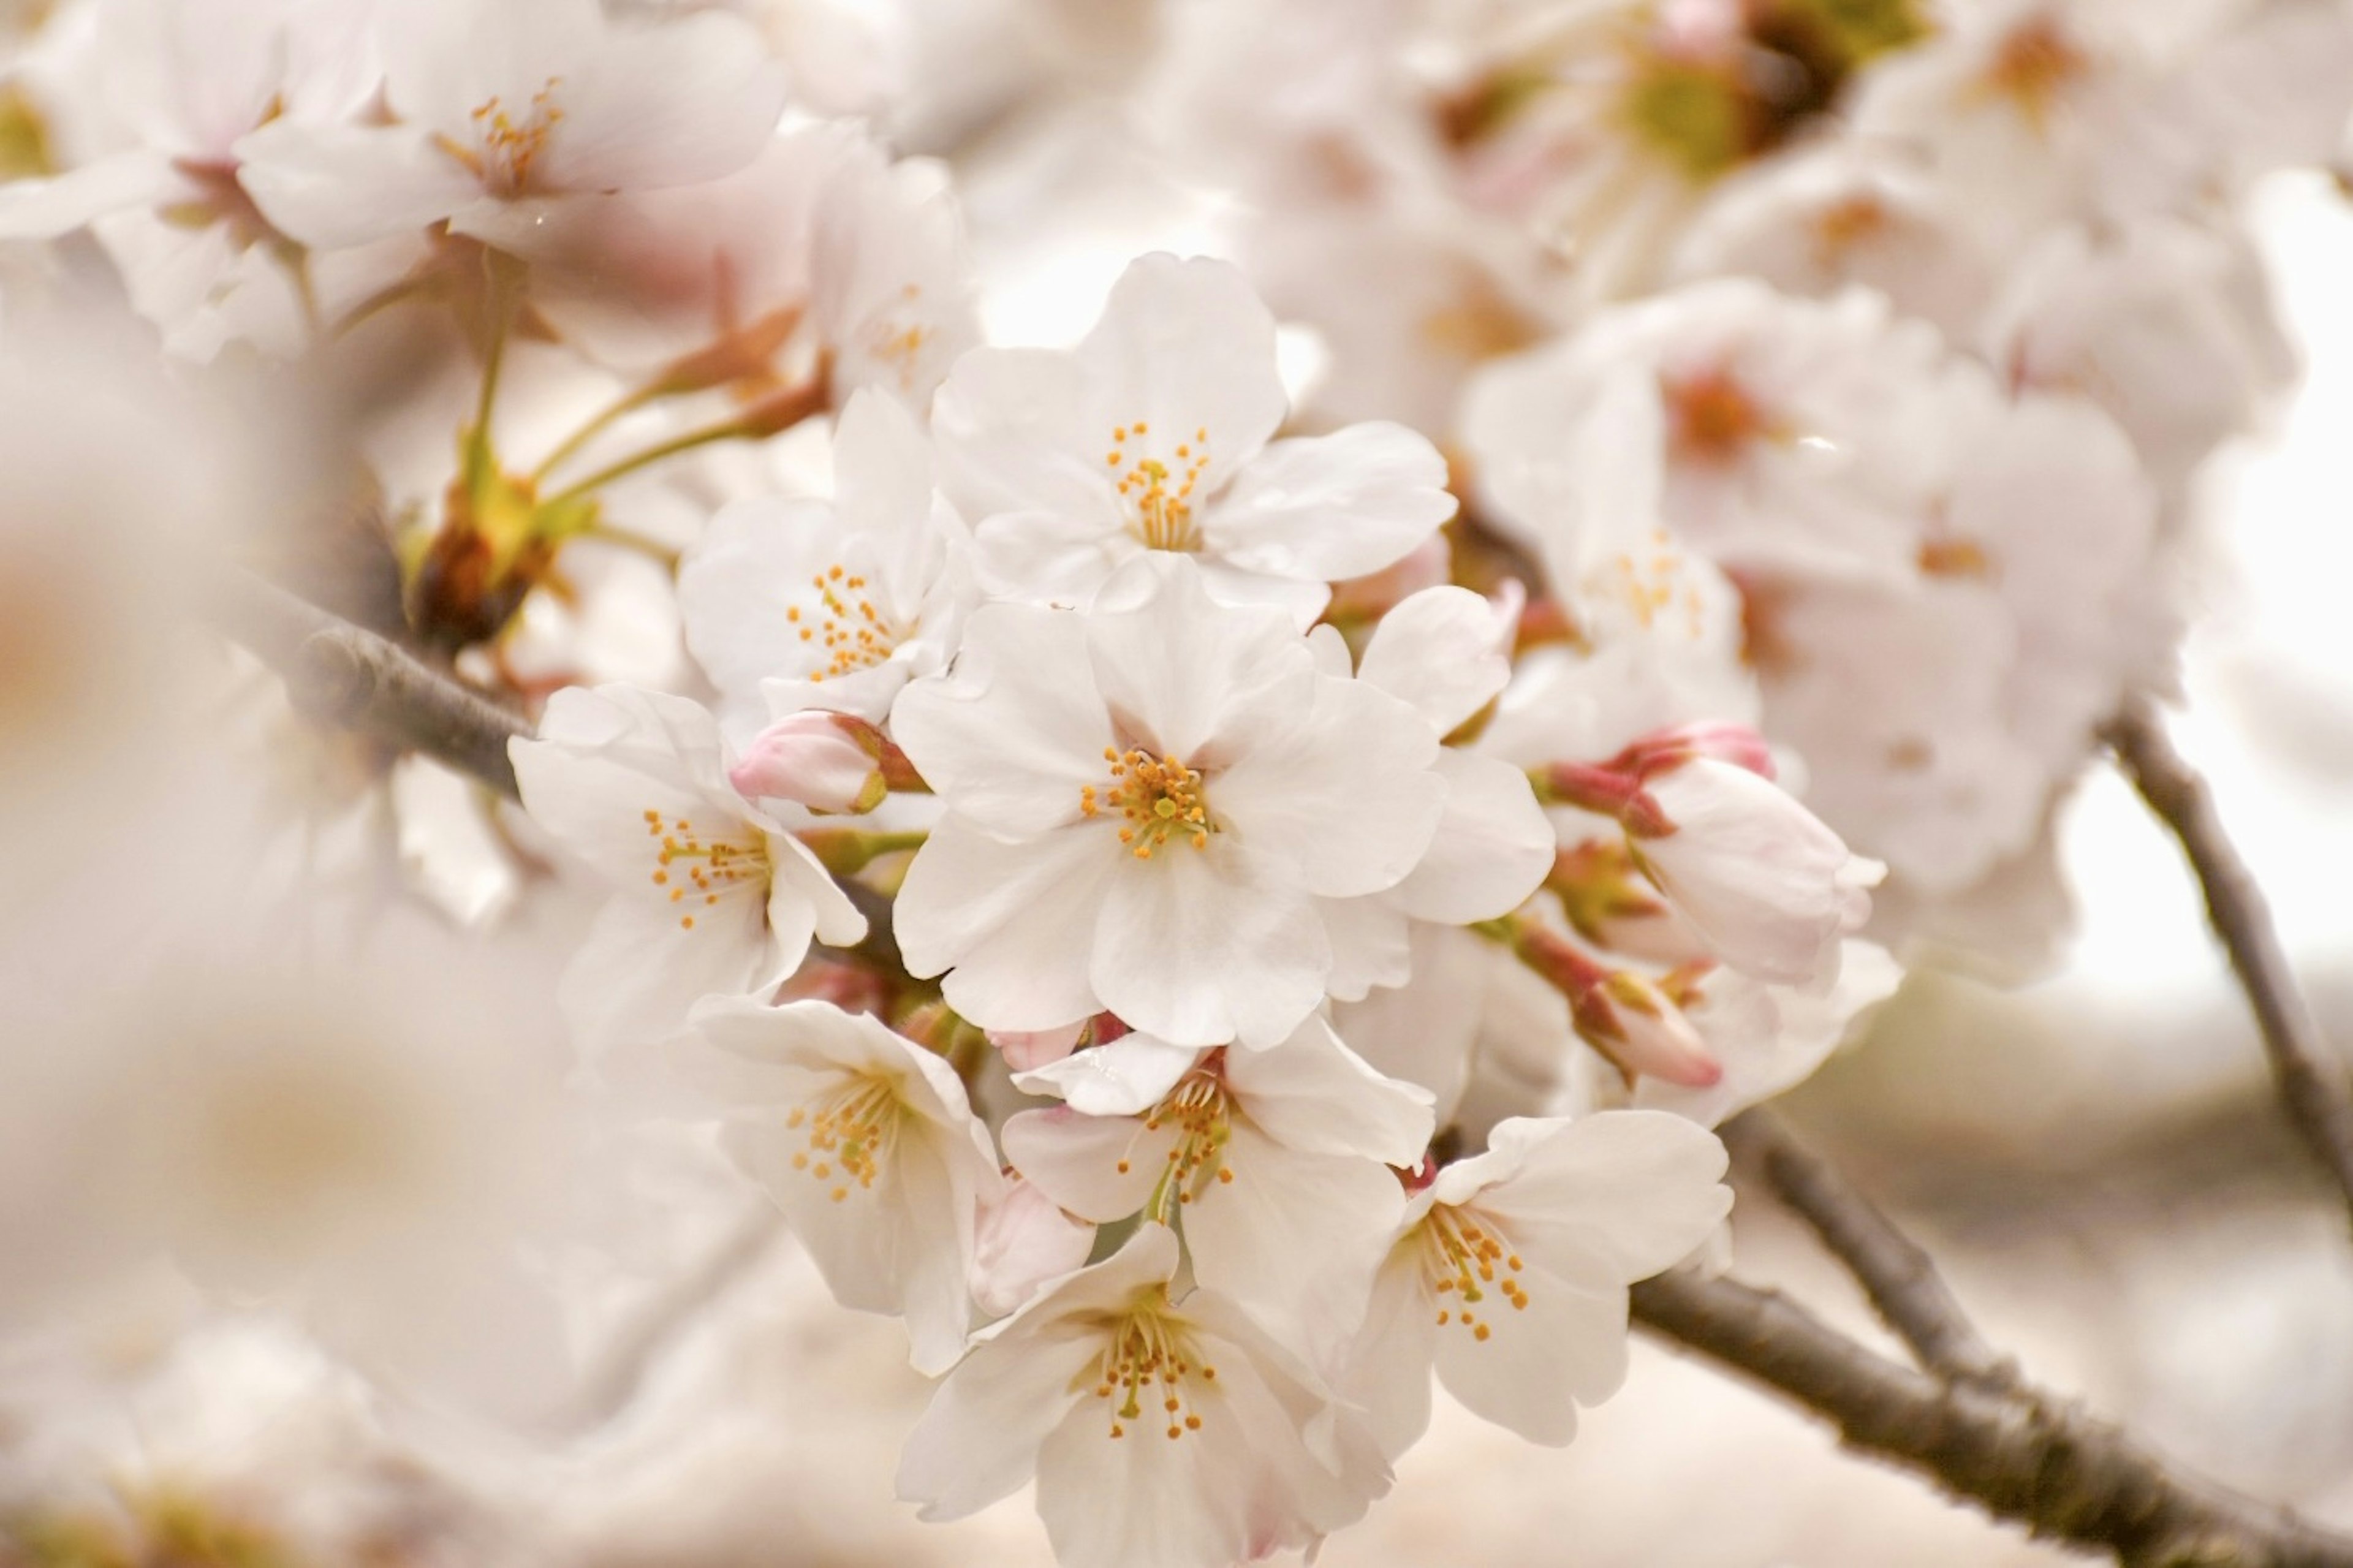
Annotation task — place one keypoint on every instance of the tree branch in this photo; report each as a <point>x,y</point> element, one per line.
<point>338,674</point>
<point>2311,1077</point>
<point>1905,1289</point>
<point>2023,1457</point>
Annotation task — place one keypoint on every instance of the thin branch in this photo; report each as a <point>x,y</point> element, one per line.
<point>1905,1289</point>
<point>2023,1457</point>
<point>339,674</point>
<point>2310,1075</point>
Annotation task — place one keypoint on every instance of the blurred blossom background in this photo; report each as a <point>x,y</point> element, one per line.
<point>318,1244</point>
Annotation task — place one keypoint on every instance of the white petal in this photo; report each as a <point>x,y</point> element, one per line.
<point>1013,736</point>
<point>1493,849</point>
<point>639,971</point>
<point>1294,1238</point>
<point>1346,793</point>
<point>1075,1159</point>
<point>1332,507</point>
<point>978,1440</point>
<point>335,187</point>
<point>1010,436</point>
<point>1444,652</point>
<point>1016,921</point>
<point>46,208</point>
<point>688,100</point>
<point>1202,946</point>
<point>1127,1077</point>
<point>1186,678</point>
<point>1389,1366</point>
<point>1539,1363</point>
<point>1631,1192</point>
<point>1313,1093</point>
<point>1185,350</point>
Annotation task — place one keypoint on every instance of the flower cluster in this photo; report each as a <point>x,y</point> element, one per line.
<point>1219,870</point>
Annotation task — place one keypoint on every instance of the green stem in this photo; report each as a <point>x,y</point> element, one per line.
<point>595,425</point>
<point>627,540</point>
<point>653,454</point>
<point>495,355</point>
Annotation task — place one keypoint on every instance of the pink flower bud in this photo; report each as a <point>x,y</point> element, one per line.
<point>1767,886</point>
<point>1649,1035</point>
<point>1664,749</point>
<point>826,762</point>
<point>1624,1015</point>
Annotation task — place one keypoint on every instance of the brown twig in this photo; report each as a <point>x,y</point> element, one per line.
<point>1902,1280</point>
<point>2023,1457</point>
<point>338,674</point>
<point>2310,1075</point>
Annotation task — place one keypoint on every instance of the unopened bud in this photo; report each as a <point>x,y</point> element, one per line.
<point>1612,905</point>
<point>1626,1017</point>
<point>1665,749</point>
<point>824,761</point>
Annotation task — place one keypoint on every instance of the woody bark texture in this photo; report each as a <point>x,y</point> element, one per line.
<point>2023,1457</point>
<point>2310,1075</point>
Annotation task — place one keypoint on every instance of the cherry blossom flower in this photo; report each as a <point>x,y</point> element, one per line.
<point>1150,807</point>
<point>1277,1160</point>
<point>711,896</point>
<point>820,253</point>
<point>803,603</point>
<point>156,104</point>
<point>867,1142</point>
<point>1511,1271</point>
<point>1443,651</point>
<point>1885,510</point>
<point>520,103</point>
<point>1164,1431</point>
<point>1154,435</point>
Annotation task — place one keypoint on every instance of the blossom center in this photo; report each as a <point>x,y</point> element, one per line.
<point>1199,1110</point>
<point>1160,798</point>
<point>1713,416</point>
<point>897,339</point>
<point>1464,1256</point>
<point>698,870</point>
<point>843,627</point>
<point>851,1131</point>
<point>507,143</point>
<point>1651,583</point>
<point>1156,493</point>
<point>1148,1360</point>
<point>2035,62</point>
